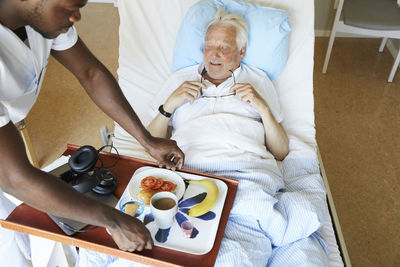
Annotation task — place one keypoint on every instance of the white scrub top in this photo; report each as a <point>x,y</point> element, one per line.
<point>22,69</point>
<point>21,74</point>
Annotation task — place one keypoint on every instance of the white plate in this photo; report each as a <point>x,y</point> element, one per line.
<point>167,175</point>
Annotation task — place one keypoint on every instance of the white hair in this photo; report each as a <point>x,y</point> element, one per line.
<point>231,19</point>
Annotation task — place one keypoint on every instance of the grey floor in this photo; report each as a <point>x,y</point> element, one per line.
<point>357,121</point>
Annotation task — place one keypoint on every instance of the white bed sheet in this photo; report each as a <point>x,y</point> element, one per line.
<point>147,36</point>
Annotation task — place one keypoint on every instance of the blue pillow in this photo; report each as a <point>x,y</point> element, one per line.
<point>268,30</point>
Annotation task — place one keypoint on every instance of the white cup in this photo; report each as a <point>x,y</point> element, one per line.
<point>164,206</point>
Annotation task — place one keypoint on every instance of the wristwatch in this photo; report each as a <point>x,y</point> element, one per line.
<point>163,112</point>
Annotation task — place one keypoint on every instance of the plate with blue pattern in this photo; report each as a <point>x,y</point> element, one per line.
<point>205,227</point>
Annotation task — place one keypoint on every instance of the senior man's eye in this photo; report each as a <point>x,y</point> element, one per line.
<point>208,47</point>
<point>225,49</point>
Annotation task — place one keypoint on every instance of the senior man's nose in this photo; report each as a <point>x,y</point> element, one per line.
<point>216,53</point>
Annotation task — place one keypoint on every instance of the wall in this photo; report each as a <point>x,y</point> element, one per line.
<point>324,15</point>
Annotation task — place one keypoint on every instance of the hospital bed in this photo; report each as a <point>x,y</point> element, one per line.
<point>148,30</point>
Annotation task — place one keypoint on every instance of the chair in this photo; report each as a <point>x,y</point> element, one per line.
<point>28,144</point>
<point>378,18</point>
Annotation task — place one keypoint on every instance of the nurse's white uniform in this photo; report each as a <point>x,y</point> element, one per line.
<point>22,67</point>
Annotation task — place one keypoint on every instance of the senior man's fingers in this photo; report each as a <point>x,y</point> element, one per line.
<point>191,87</point>
<point>235,88</point>
<point>192,95</point>
<point>246,98</point>
<point>240,87</point>
<point>199,84</point>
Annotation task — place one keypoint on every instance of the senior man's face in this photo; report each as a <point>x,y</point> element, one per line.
<point>53,17</point>
<point>221,54</point>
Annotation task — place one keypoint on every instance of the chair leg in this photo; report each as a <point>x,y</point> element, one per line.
<point>28,144</point>
<point>328,52</point>
<point>383,43</point>
<point>333,34</point>
<point>395,66</point>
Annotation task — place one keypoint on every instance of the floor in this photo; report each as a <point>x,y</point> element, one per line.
<point>357,120</point>
<point>49,127</point>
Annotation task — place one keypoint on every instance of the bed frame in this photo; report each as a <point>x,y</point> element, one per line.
<point>335,219</point>
<point>132,86</point>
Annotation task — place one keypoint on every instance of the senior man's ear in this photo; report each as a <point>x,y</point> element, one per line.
<point>243,51</point>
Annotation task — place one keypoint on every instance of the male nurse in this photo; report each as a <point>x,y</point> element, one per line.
<point>31,30</point>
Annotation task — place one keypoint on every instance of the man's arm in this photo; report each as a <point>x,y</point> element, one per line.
<point>104,90</point>
<point>49,194</point>
<point>189,91</point>
<point>159,127</point>
<point>276,139</point>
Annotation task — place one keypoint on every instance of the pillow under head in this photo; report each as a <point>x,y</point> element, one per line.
<point>268,30</point>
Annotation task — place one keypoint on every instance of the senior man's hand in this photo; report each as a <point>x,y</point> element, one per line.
<point>189,90</point>
<point>246,93</point>
<point>129,233</point>
<point>166,152</point>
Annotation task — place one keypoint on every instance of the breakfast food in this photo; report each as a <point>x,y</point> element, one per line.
<point>209,201</point>
<point>148,182</point>
<point>151,185</point>
<point>151,182</point>
<point>131,209</point>
<point>146,194</point>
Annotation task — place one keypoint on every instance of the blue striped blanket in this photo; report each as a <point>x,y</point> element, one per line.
<point>274,220</point>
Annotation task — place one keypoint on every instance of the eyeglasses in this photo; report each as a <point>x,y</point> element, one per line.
<point>216,96</point>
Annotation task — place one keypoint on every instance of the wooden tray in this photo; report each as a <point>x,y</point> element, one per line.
<point>28,220</point>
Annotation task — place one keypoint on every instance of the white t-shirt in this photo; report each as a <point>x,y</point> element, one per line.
<point>22,69</point>
<point>21,74</point>
<point>214,127</point>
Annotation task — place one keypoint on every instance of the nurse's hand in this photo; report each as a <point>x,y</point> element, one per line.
<point>166,152</point>
<point>186,91</point>
<point>129,233</point>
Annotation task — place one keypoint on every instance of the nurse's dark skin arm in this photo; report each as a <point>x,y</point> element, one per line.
<point>104,90</point>
<point>49,194</point>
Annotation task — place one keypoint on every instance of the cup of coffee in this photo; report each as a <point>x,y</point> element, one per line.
<point>163,206</point>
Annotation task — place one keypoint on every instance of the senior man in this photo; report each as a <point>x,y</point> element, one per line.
<point>226,116</point>
<point>213,86</point>
<point>29,31</point>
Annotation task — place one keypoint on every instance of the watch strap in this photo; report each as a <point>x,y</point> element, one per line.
<point>163,112</point>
